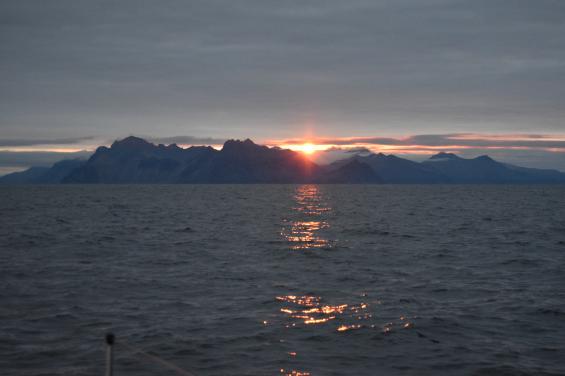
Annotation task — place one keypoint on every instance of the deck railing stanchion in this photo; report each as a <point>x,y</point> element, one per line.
<point>109,354</point>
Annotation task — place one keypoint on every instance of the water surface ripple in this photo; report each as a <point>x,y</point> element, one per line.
<point>283,279</point>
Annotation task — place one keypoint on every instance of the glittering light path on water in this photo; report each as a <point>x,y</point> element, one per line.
<point>303,233</point>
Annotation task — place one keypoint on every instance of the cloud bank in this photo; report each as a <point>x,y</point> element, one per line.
<point>280,69</point>
<point>530,150</point>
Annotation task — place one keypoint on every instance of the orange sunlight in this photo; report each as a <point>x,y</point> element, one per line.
<point>306,148</point>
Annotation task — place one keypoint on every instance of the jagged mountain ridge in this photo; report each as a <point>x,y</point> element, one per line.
<point>135,161</point>
<point>485,170</point>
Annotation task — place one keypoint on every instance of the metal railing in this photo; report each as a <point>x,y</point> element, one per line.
<point>111,341</point>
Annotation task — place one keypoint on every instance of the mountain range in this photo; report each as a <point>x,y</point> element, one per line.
<point>134,160</point>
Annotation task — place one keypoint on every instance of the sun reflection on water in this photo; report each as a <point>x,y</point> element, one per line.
<point>298,312</point>
<point>310,201</point>
<point>294,373</point>
<point>307,229</point>
<point>304,233</point>
<point>310,310</point>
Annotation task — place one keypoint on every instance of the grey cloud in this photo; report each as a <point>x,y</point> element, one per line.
<point>353,150</point>
<point>357,150</point>
<point>530,141</point>
<point>531,158</point>
<point>259,68</point>
<point>335,153</point>
<point>187,140</point>
<point>22,160</point>
<point>11,142</point>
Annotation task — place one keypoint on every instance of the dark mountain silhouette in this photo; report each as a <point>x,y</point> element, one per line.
<point>134,160</point>
<point>247,162</point>
<point>352,171</point>
<point>486,170</point>
<point>43,175</point>
<point>24,177</point>
<point>392,169</point>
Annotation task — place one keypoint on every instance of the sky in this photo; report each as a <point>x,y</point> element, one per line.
<point>409,77</point>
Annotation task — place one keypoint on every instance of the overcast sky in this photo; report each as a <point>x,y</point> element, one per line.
<point>75,74</point>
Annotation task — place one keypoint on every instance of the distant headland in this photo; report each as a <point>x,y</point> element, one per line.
<point>133,160</point>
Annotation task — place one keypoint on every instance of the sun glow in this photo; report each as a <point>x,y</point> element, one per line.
<point>308,148</point>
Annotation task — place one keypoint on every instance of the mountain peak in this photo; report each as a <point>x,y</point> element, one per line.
<point>485,158</point>
<point>444,156</point>
<point>246,144</point>
<point>131,142</point>
<point>247,141</point>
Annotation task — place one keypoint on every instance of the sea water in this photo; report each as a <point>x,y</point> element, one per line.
<point>283,279</point>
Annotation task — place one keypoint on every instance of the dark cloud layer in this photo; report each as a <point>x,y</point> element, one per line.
<point>22,160</point>
<point>452,139</point>
<point>11,142</point>
<point>280,69</point>
<point>529,150</point>
<point>186,140</point>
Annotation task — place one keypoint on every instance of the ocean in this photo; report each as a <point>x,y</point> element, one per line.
<point>283,279</point>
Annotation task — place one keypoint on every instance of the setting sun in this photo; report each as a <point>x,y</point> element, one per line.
<point>308,148</point>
